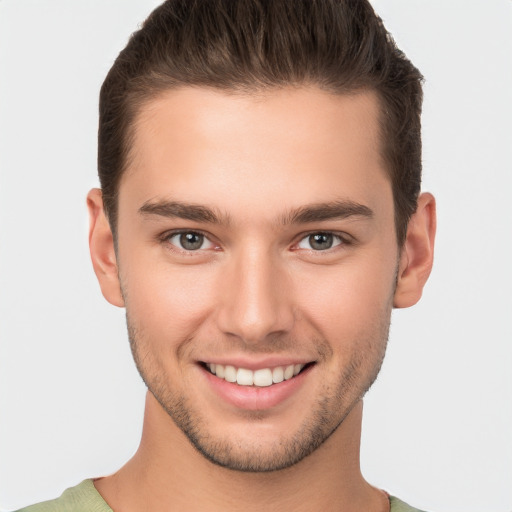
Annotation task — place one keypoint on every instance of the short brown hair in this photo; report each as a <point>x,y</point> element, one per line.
<point>340,46</point>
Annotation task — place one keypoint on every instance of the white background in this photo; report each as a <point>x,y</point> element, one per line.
<point>438,423</point>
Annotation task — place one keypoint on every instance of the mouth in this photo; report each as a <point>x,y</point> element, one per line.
<point>262,377</point>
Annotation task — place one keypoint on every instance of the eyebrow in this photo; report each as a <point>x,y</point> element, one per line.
<point>187,211</point>
<point>341,209</point>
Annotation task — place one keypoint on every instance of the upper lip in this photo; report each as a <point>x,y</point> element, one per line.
<point>256,364</point>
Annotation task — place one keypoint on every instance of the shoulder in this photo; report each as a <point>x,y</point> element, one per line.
<point>399,506</point>
<point>81,498</point>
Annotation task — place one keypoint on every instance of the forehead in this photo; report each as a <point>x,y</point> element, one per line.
<point>286,147</point>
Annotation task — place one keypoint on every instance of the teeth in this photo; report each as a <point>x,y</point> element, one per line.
<point>263,377</point>
<point>260,378</point>
<point>230,373</point>
<point>220,371</point>
<point>277,374</point>
<point>244,377</point>
<point>288,372</point>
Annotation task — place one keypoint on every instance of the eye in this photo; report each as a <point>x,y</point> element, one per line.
<point>190,241</point>
<point>320,241</point>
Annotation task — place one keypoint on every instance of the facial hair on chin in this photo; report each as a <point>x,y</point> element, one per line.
<point>327,412</point>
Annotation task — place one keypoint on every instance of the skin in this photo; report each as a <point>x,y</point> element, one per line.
<point>271,169</point>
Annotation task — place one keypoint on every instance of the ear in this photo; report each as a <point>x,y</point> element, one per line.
<point>417,254</point>
<point>101,245</point>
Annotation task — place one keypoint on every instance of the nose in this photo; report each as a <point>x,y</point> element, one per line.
<point>255,300</point>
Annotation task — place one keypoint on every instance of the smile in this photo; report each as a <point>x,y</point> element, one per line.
<point>263,377</point>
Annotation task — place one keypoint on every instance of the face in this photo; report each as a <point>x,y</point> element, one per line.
<point>257,259</point>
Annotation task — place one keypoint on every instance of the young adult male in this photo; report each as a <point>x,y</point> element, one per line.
<point>260,216</point>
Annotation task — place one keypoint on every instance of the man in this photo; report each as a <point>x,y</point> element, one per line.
<point>260,215</point>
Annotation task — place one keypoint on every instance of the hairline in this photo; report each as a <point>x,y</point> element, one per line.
<point>139,100</point>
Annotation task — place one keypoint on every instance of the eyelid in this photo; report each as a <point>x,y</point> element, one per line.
<point>344,238</point>
<point>165,238</point>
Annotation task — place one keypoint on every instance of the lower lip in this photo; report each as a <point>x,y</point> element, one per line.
<point>254,398</point>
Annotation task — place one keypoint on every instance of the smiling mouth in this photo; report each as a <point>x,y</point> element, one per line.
<point>263,377</point>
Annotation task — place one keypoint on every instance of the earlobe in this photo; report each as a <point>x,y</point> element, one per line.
<point>101,245</point>
<point>417,254</point>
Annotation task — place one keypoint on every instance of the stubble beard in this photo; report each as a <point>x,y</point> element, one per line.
<point>327,413</point>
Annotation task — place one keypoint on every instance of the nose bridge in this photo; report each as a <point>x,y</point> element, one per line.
<point>255,301</point>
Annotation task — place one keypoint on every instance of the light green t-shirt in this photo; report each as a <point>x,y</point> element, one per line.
<point>85,498</point>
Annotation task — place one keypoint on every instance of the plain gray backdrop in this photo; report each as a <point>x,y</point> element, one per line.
<point>438,422</point>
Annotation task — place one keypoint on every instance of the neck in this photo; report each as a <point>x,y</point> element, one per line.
<point>168,473</point>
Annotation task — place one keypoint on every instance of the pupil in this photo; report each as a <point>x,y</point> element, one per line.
<point>321,241</point>
<point>191,241</point>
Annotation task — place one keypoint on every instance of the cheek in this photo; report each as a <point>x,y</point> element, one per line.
<point>166,299</point>
<point>348,300</point>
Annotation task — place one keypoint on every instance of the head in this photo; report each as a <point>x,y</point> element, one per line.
<point>259,217</point>
<point>339,46</point>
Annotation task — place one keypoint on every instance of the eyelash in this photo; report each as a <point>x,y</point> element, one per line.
<point>342,238</point>
<point>166,239</point>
